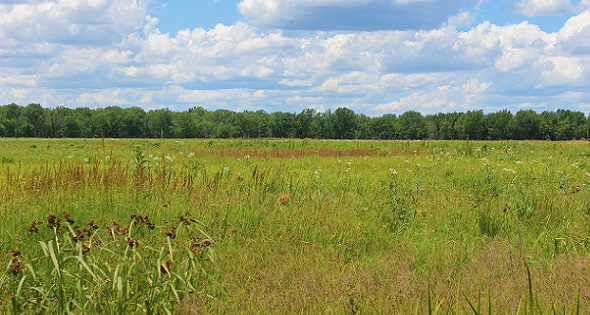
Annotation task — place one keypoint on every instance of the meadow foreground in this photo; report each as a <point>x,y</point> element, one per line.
<point>104,226</point>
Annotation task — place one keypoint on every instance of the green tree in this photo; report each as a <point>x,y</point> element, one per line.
<point>344,123</point>
<point>303,123</point>
<point>83,126</point>
<point>34,123</point>
<point>570,125</point>
<point>133,122</point>
<point>446,127</point>
<point>548,125</point>
<point>412,125</point>
<point>500,125</point>
<point>526,125</point>
<point>433,125</point>
<point>471,125</point>
<point>384,127</point>
<point>321,126</point>
<point>184,125</point>
<point>10,116</point>
<point>158,123</point>
<point>283,125</point>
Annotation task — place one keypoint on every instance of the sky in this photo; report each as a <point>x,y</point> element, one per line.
<point>372,56</point>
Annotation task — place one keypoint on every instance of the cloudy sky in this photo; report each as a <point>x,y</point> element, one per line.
<point>372,56</point>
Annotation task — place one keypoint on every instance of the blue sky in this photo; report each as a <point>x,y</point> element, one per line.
<point>372,56</point>
<point>178,15</point>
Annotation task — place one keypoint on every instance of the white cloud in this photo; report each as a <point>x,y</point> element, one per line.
<point>543,7</point>
<point>70,22</point>
<point>573,36</point>
<point>245,66</point>
<point>445,98</point>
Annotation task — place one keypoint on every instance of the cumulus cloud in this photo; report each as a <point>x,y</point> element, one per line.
<point>543,7</point>
<point>350,15</point>
<point>244,66</point>
<point>572,38</point>
<point>70,22</point>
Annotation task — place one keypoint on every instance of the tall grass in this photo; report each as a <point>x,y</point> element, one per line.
<point>293,226</point>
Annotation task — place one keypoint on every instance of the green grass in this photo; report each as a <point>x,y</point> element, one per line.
<point>294,226</point>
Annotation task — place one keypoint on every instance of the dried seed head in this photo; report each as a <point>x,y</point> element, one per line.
<point>33,228</point>
<point>53,221</point>
<point>92,225</point>
<point>16,267</point>
<point>187,218</point>
<point>132,242</point>
<point>78,237</point>
<point>68,217</point>
<point>172,233</point>
<point>14,254</point>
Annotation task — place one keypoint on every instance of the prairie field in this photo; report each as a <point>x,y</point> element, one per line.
<point>237,226</point>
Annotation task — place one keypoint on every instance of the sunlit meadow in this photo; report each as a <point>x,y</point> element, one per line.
<point>103,226</point>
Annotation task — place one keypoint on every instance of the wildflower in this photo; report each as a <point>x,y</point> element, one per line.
<point>392,171</point>
<point>509,170</point>
<point>519,162</point>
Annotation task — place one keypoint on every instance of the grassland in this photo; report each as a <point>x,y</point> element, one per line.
<point>294,226</point>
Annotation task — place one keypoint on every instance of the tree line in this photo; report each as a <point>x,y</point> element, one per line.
<point>34,120</point>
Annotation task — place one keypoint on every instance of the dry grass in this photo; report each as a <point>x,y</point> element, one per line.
<point>314,227</point>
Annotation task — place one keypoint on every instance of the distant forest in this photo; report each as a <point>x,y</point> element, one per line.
<point>114,122</point>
